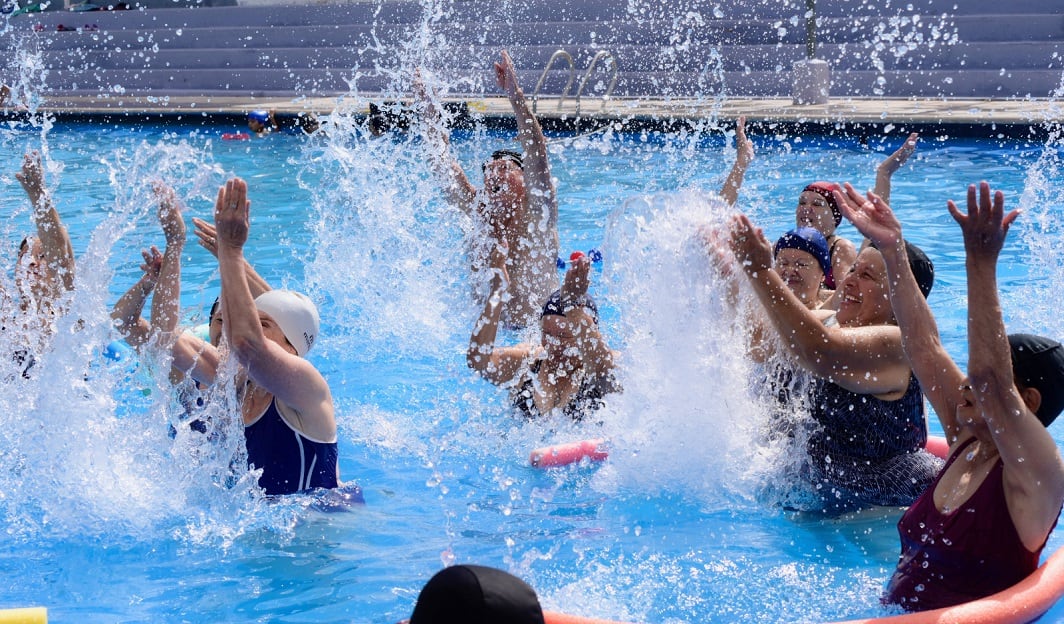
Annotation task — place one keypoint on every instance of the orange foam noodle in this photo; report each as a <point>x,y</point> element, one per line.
<point>1022,603</point>
<point>570,453</point>
<point>550,617</point>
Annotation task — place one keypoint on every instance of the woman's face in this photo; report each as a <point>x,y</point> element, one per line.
<point>865,299</point>
<point>801,272</point>
<point>272,331</point>
<point>815,212</point>
<point>560,337</point>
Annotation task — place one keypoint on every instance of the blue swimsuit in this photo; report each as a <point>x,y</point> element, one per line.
<point>290,461</point>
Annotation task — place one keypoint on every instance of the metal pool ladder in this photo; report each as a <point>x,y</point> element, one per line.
<point>562,54</point>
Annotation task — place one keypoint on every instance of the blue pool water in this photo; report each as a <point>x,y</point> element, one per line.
<point>108,519</point>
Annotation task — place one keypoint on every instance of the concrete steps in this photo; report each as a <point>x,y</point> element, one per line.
<point>685,48</point>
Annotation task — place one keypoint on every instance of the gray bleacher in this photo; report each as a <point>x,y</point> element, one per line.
<point>684,48</point>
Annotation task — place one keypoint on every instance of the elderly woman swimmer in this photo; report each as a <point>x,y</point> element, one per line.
<point>570,371</point>
<point>867,447</point>
<point>1004,476</point>
<point>286,404</point>
<point>802,260</point>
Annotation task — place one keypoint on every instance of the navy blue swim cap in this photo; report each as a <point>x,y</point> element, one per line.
<point>555,305</point>
<point>1038,363</point>
<point>472,593</point>
<point>808,240</point>
<point>261,116</point>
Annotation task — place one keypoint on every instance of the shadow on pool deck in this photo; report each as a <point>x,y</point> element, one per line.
<point>986,117</point>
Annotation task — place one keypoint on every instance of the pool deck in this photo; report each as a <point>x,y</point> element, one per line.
<point>937,112</point>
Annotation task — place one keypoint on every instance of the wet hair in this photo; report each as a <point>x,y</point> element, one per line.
<point>824,189</point>
<point>472,593</point>
<point>556,306</point>
<point>510,155</point>
<point>1038,363</point>
<point>808,240</point>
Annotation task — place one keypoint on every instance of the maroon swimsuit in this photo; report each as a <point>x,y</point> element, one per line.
<point>970,553</point>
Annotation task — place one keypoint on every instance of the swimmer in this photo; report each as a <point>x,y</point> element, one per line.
<point>518,196</point>
<point>262,122</point>
<point>472,593</point>
<point>44,271</point>
<point>1004,476</point>
<point>868,444</point>
<point>801,258</point>
<point>570,372</point>
<point>286,405</point>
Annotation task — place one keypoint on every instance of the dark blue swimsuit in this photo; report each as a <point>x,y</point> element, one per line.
<point>290,461</point>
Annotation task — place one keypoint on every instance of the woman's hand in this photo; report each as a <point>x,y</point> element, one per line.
<point>153,264</point>
<point>232,215</point>
<point>169,214</point>
<point>506,75</point>
<point>749,245</point>
<point>986,225</point>
<point>871,216</point>
<point>32,177</point>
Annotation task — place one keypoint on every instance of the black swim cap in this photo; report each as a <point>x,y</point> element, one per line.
<point>923,268</point>
<point>1038,363</point>
<point>554,305</point>
<point>510,155</point>
<point>476,595</point>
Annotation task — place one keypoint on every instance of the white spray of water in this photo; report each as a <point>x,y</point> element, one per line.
<point>684,420</point>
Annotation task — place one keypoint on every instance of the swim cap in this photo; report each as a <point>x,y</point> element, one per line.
<point>508,154</point>
<point>295,314</point>
<point>477,595</point>
<point>808,240</point>
<point>923,268</point>
<point>1038,363</point>
<point>261,116</point>
<point>825,190</point>
<point>554,305</point>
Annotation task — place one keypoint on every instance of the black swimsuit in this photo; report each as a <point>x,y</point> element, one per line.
<point>587,399</point>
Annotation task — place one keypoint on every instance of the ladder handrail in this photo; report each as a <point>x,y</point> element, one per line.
<point>543,76</point>
<point>587,76</point>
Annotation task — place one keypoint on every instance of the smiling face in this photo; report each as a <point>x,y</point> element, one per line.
<point>815,212</point>
<point>504,182</point>
<point>801,272</point>
<point>865,299</point>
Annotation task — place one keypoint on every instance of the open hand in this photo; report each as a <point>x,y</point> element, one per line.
<point>169,213</point>
<point>232,215</point>
<point>749,245</point>
<point>506,75</point>
<point>870,215</point>
<point>32,176</point>
<point>986,225</point>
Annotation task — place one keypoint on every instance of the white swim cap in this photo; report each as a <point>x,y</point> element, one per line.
<point>295,314</point>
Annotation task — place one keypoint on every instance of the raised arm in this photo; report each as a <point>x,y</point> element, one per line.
<point>498,365</point>
<point>166,304</point>
<point>456,185</point>
<point>744,155</point>
<point>541,192</point>
<point>1034,474</point>
<point>55,240</point>
<point>885,170</point>
<point>865,360</point>
<point>939,376</point>
<point>287,376</point>
<point>127,311</point>
<point>208,239</point>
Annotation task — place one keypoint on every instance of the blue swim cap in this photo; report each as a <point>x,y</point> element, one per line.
<point>261,116</point>
<point>808,240</point>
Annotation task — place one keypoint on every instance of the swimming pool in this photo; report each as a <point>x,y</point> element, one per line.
<point>108,519</point>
